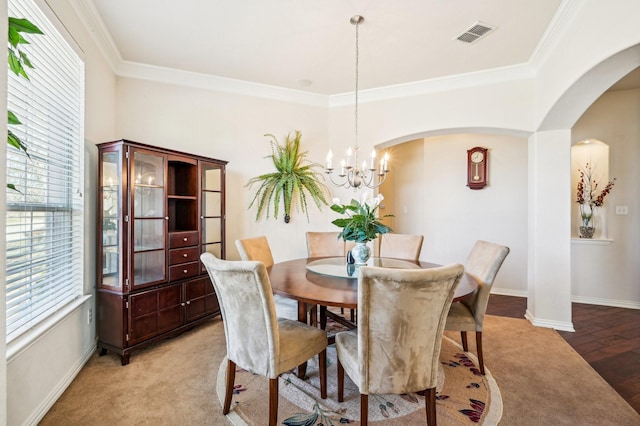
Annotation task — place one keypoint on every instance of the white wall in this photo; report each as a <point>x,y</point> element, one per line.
<point>602,272</point>
<point>228,127</point>
<point>432,199</point>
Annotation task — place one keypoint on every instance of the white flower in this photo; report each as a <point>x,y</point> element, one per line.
<point>375,201</point>
<point>336,201</point>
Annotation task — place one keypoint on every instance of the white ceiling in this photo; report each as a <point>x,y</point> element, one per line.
<point>309,45</point>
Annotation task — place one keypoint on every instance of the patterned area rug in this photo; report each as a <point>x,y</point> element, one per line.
<point>464,396</point>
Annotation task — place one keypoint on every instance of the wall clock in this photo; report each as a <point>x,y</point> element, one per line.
<point>477,167</point>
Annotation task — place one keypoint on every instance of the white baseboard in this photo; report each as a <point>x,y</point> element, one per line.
<point>57,392</point>
<point>606,302</point>
<point>576,299</point>
<point>509,292</point>
<point>556,325</point>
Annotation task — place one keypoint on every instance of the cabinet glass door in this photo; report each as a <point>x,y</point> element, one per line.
<point>149,218</point>
<point>212,177</point>
<point>111,226</point>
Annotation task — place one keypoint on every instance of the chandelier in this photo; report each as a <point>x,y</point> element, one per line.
<point>351,174</point>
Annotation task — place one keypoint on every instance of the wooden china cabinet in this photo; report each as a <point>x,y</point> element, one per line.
<point>159,210</point>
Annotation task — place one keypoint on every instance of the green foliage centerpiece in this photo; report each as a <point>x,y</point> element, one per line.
<point>292,178</point>
<point>361,224</point>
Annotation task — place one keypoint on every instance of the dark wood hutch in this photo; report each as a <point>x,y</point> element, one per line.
<point>159,209</point>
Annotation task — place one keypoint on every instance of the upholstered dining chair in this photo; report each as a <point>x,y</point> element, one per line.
<point>401,246</point>
<point>257,340</point>
<point>483,264</point>
<point>257,248</point>
<point>396,347</point>
<point>325,244</point>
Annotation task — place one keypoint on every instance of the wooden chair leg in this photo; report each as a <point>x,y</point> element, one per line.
<point>463,337</point>
<point>323,317</point>
<point>340,382</point>
<point>479,349</point>
<point>231,377</point>
<point>314,315</point>
<point>353,315</point>
<point>322,361</point>
<point>273,402</point>
<point>430,406</point>
<point>364,409</point>
<point>302,370</point>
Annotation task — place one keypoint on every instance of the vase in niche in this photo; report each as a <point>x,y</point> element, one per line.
<point>361,253</point>
<point>587,223</point>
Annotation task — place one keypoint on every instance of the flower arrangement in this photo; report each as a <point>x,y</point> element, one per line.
<point>588,196</point>
<point>361,224</point>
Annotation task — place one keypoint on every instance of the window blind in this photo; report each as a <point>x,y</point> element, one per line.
<point>44,226</point>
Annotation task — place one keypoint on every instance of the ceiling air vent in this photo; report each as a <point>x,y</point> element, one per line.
<point>477,31</point>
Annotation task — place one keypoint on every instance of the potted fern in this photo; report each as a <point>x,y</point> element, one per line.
<point>295,178</point>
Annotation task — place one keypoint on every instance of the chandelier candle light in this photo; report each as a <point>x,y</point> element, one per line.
<point>351,175</point>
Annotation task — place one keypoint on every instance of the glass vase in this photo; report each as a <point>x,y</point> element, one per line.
<point>587,223</point>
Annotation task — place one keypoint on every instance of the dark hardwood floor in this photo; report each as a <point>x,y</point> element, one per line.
<point>607,338</point>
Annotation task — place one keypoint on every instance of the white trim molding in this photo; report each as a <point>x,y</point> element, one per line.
<point>556,325</point>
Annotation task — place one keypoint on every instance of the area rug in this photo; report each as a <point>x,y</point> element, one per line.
<point>464,396</point>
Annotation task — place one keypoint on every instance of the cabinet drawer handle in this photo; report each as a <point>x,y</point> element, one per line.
<point>185,271</point>
<point>182,304</point>
<point>185,255</point>
<point>188,302</point>
<point>185,239</point>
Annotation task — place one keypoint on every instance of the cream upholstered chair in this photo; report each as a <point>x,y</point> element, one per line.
<point>401,246</point>
<point>257,248</point>
<point>483,264</point>
<point>325,244</point>
<point>396,348</point>
<point>257,340</point>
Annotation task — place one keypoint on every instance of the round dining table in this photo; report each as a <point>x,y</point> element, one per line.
<point>331,282</point>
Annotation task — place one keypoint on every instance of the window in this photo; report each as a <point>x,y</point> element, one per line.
<point>44,226</point>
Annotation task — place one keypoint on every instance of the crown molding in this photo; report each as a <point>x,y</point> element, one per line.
<point>562,19</point>
<point>442,84</point>
<point>220,84</point>
<point>92,21</point>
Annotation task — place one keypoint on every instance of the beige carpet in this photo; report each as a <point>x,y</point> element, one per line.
<point>542,382</point>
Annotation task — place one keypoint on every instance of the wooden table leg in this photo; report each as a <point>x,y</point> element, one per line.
<point>302,317</point>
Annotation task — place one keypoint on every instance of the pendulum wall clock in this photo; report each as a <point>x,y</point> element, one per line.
<point>477,167</point>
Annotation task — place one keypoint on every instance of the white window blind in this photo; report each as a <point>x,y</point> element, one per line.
<point>44,226</point>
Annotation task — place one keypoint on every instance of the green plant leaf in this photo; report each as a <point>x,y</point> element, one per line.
<point>15,65</point>
<point>25,59</point>
<point>15,141</point>
<point>12,118</point>
<point>24,26</point>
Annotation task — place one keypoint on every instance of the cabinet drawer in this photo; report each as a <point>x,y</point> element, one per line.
<point>184,270</point>
<point>183,239</point>
<point>185,255</point>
